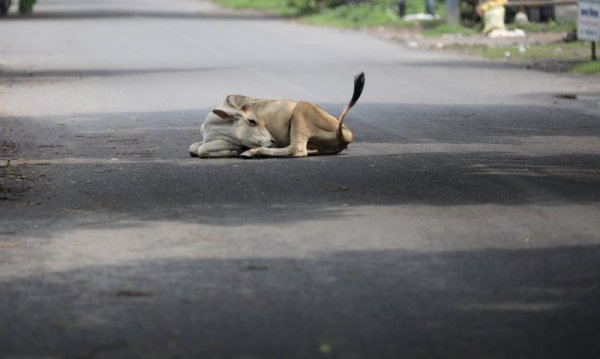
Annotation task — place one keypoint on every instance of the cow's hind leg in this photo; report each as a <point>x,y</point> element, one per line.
<point>297,149</point>
<point>299,134</point>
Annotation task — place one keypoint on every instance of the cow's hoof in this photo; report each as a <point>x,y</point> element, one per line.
<point>194,148</point>
<point>247,154</point>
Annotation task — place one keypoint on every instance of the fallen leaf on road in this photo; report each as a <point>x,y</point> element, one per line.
<point>340,189</point>
<point>7,245</point>
<point>132,293</point>
<point>325,348</point>
<point>256,267</point>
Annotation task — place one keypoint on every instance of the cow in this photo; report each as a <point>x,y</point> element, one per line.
<point>229,131</point>
<point>298,128</point>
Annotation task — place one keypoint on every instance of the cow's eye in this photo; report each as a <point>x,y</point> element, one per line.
<point>252,122</point>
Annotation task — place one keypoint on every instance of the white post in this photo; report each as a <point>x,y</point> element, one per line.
<point>453,12</point>
<point>588,23</point>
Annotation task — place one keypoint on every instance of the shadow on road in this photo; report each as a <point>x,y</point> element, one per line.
<point>131,14</point>
<point>45,75</point>
<point>438,156</point>
<point>132,170</point>
<point>541,303</point>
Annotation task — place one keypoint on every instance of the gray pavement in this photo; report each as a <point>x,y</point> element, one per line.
<point>463,222</point>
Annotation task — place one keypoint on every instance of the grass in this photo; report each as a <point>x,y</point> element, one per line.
<point>384,14</point>
<point>354,16</point>
<point>569,57</point>
<point>573,51</point>
<point>281,7</point>
<point>588,68</point>
<point>252,4</point>
<point>533,27</point>
<point>377,13</point>
<point>439,28</point>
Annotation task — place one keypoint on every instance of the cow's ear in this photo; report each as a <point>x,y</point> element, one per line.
<point>222,113</point>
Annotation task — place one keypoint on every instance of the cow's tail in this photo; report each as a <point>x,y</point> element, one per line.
<point>359,84</point>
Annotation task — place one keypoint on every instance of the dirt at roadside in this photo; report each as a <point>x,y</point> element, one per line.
<point>413,38</point>
<point>12,181</point>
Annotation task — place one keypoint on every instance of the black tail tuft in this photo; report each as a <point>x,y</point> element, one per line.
<point>359,84</point>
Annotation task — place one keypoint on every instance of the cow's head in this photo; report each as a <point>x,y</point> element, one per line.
<point>247,129</point>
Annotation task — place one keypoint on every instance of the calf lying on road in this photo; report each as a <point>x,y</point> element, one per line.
<point>249,127</point>
<point>228,131</point>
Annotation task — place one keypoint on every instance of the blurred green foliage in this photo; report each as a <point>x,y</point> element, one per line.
<point>306,7</point>
<point>588,68</point>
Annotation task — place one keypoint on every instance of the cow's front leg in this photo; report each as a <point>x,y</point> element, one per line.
<point>216,149</point>
<point>194,149</point>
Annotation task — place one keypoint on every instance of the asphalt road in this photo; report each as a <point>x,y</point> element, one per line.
<point>463,222</point>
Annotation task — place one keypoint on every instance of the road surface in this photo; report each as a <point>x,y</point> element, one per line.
<point>463,222</point>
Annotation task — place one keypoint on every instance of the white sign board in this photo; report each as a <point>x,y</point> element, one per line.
<point>588,21</point>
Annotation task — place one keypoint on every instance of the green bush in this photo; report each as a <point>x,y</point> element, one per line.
<point>373,13</point>
<point>356,16</point>
<point>315,6</point>
<point>352,13</point>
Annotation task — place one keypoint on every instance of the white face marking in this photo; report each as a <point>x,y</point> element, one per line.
<point>237,126</point>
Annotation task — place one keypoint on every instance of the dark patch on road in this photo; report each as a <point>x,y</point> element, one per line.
<point>527,303</point>
<point>124,14</point>
<point>47,74</point>
<point>131,162</point>
<point>132,293</point>
<point>12,181</point>
<point>255,267</point>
